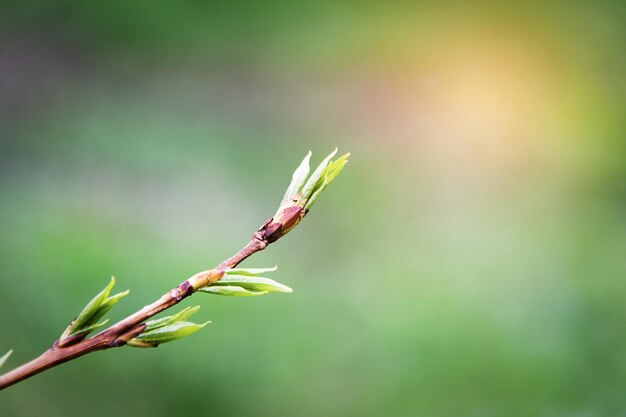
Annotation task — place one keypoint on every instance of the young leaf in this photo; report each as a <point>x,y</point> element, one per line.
<point>87,320</point>
<point>86,330</point>
<point>246,282</point>
<point>299,177</point>
<point>92,306</point>
<point>4,358</point>
<point>104,308</point>
<point>330,173</point>
<point>139,344</point>
<point>107,305</point>
<point>170,333</point>
<point>230,290</point>
<point>315,177</point>
<point>252,283</point>
<point>182,315</point>
<point>336,166</point>
<point>253,272</point>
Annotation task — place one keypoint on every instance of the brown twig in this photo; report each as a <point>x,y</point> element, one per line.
<point>299,198</point>
<point>124,330</point>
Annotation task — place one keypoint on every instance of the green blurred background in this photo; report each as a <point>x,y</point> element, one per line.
<point>470,260</point>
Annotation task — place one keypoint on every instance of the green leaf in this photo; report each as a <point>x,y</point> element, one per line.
<point>114,298</point>
<point>299,177</point>
<point>182,315</point>
<point>250,271</point>
<point>4,358</point>
<point>336,166</point>
<point>331,171</point>
<point>107,305</point>
<point>170,333</point>
<point>87,320</point>
<point>92,306</point>
<point>230,290</point>
<point>139,344</point>
<point>252,283</point>
<point>246,282</point>
<point>313,180</point>
<point>86,330</point>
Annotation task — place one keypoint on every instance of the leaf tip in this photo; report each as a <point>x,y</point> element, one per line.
<point>4,358</point>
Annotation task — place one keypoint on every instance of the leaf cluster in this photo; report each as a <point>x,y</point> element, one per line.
<point>88,319</point>
<point>306,191</point>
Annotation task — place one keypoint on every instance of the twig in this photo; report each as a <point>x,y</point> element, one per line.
<point>298,199</point>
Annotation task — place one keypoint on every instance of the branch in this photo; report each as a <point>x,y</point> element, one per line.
<point>133,330</point>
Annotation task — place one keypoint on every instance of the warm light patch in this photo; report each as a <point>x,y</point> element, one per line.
<point>474,104</point>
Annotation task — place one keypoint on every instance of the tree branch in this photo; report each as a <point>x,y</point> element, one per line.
<point>298,199</point>
<point>119,333</point>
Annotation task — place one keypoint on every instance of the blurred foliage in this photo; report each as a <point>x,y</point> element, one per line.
<point>474,245</point>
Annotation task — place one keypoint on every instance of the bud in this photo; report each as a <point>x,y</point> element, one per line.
<point>300,195</point>
<point>285,219</point>
<point>87,320</point>
<point>245,282</point>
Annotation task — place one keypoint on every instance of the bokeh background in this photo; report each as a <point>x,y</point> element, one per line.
<point>470,260</point>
